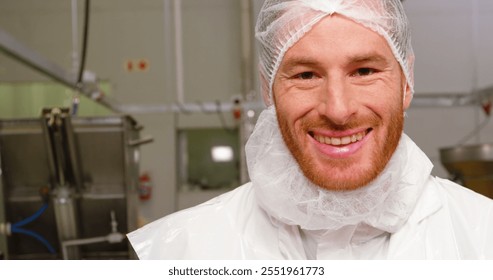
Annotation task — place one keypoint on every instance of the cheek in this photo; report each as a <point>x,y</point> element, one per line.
<point>293,107</point>
<point>296,102</point>
<point>385,100</point>
<point>386,111</point>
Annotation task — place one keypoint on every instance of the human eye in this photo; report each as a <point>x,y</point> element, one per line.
<point>364,71</point>
<point>305,75</point>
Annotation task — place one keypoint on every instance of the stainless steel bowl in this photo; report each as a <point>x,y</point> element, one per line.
<point>471,165</point>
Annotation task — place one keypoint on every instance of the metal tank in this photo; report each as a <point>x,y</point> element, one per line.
<point>68,187</point>
<point>471,165</point>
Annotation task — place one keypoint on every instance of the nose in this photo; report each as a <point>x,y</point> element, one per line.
<point>336,103</point>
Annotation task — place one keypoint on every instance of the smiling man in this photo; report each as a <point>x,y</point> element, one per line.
<point>339,95</point>
<point>332,174</point>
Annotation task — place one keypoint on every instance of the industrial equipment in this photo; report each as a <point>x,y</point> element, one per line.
<point>68,187</point>
<point>471,165</point>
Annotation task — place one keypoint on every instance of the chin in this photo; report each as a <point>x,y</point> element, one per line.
<point>352,180</point>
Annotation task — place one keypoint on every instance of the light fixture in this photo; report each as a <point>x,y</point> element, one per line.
<point>222,153</point>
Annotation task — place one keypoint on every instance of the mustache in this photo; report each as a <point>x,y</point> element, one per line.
<point>354,122</point>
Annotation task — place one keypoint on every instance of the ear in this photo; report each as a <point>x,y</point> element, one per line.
<point>408,90</point>
<point>408,96</point>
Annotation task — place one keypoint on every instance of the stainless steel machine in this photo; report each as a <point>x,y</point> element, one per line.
<point>68,187</point>
<point>471,165</point>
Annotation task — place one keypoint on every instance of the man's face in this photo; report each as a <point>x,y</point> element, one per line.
<point>339,100</point>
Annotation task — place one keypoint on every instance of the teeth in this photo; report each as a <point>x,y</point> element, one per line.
<point>340,141</point>
<point>345,140</point>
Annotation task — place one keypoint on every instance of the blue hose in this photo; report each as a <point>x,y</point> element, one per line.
<point>32,218</point>
<point>16,228</point>
<point>35,235</point>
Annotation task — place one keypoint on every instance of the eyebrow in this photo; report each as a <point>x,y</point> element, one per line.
<point>367,58</point>
<point>352,59</point>
<point>299,60</point>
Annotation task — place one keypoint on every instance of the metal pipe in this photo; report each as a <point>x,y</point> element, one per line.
<point>18,51</point>
<point>168,53</point>
<point>75,39</point>
<point>66,218</point>
<point>180,93</point>
<point>141,141</point>
<point>247,78</point>
<point>77,242</point>
<point>186,108</point>
<point>114,237</point>
<point>15,49</point>
<point>246,47</point>
<point>419,100</point>
<point>474,59</point>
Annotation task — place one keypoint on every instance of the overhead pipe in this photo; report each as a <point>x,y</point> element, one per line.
<point>18,51</point>
<point>177,15</point>
<point>246,16</point>
<point>75,38</point>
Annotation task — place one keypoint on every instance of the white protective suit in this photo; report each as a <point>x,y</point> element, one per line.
<point>404,213</point>
<point>415,216</point>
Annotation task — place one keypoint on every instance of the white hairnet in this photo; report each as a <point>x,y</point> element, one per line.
<point>281,23</point>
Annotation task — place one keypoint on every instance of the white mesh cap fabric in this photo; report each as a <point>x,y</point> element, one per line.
<point>281,23</point>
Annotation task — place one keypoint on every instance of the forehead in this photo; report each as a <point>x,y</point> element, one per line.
<point>338,37</point>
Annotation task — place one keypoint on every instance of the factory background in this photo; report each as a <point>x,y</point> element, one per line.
<point>186,72</point>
